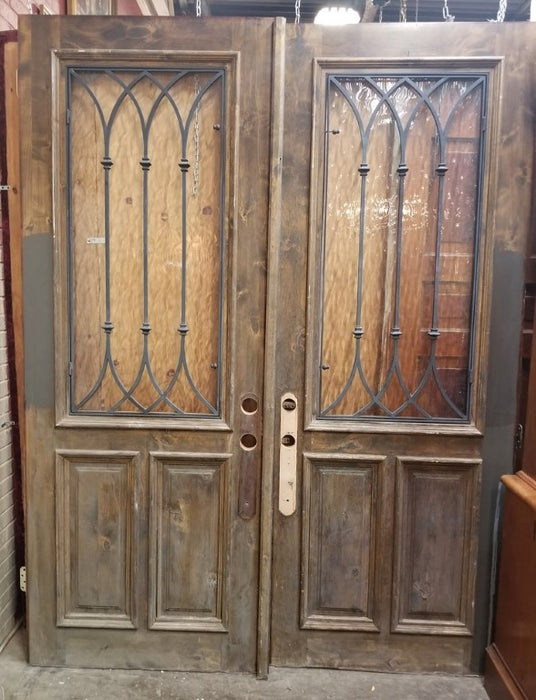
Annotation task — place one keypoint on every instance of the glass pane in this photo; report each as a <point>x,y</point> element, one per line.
<point>146,178</point>
<point>401,185</point>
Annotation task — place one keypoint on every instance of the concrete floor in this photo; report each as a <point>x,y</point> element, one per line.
<point>19,681</point>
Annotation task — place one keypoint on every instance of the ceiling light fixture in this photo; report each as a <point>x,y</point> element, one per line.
<point>337,16</point>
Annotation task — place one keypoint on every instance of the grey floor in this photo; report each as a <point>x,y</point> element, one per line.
<point>19,681</point>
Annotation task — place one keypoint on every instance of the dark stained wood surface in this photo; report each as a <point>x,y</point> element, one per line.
<point>510,668</point>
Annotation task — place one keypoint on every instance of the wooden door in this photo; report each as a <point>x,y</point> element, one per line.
<point>382,358</point>
<point>145,245</point>
<point>157,357</point>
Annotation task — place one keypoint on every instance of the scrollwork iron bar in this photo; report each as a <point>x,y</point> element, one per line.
<point>395,332</point>
<point>107,327</point>
<point>424,96</point>
<point>145,364</point>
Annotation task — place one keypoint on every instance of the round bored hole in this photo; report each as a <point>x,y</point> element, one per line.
<point>288,440</point>
<point>248,441</point>
<point>249,404</point>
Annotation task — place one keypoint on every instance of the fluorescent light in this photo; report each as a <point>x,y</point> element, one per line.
<point>337,16</point>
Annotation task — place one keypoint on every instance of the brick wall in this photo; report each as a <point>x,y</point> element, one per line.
<point>8,569</point>
<point>11,526</point>
<point>11,9</point>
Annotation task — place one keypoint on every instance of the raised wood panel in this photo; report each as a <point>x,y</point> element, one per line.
<point>188,541</point>
<point>96,541</point>
<point>436,518</point>
<point>341,511</point>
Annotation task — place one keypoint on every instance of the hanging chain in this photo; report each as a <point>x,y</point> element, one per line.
<point>195,170</point>
<point>297,10</point>
<point>403,11</point>
<point>198,8</point>
<point>446,14</point>
<point>501,12</point>
<point>380,4</point>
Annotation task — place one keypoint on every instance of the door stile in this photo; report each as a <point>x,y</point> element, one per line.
<point>37,249</point>
<point>270,450</point>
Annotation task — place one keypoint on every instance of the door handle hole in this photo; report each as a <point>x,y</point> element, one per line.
<point>288,440</point>
<point>250,404</point>
<point>248,441</point>
<point>289,404</point>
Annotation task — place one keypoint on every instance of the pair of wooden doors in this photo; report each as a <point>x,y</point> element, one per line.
<point>257,264</point>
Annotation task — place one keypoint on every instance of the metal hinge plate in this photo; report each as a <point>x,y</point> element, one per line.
<point>5,188</point>
<point>22,579</point>
<point>518,438</point>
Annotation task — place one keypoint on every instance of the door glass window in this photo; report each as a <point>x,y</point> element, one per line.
<point>146,183</point>
<point>402,168</point>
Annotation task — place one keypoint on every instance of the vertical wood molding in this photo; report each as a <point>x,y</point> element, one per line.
<point>270,399</point>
